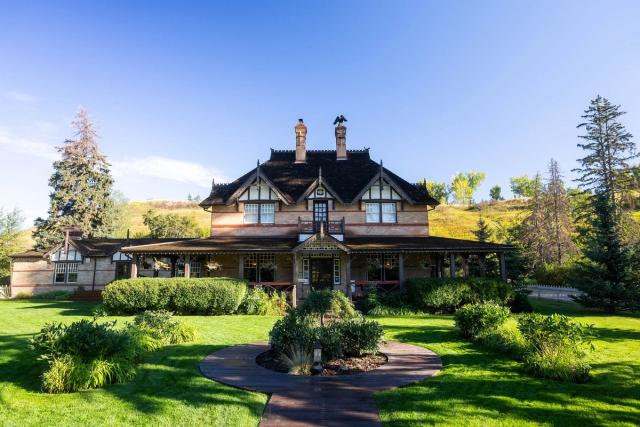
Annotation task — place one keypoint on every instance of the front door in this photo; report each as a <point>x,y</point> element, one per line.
<point>320,214</point>
<point>321,273</point>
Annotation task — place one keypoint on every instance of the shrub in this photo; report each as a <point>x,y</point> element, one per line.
<point>53,295</point>
<point>161,325</point>
<point>185,296</point>
<point>392,303</point>
<point>69,373</point>
<point>23,295</point>
<point>359,336</point>
<point>327,301</point>
<point>567,274</point>
<point>520,303</point>
<point>293,330</point>
<point>445,295</point>
<point>556,347</point>
<point>505,338</point>
<point>475,319</point>
<point>259,302</point>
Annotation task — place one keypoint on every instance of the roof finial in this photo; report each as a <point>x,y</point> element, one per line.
<point>258,171</point>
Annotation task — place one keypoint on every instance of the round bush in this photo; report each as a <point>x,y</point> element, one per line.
<point>474,319</point>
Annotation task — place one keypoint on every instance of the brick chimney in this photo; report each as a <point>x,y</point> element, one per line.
<point>301,142</point>
<point>341,142</point>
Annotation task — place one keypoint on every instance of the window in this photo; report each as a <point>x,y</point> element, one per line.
<point>305,268</point>
<point>66,272</point>
<point>196,269</point>
<point>373,212</point>
<point>260,267</point>
<point>382,267</point>
<point>123,270</point>
<point>389,212</point>
<point>251,213</point>
<point>267,213</point>
<point>381,212</point>
<point>259,213</point>
<point>336,271</point>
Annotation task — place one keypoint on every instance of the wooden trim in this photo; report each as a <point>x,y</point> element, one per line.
<point>214,226</point>
<point>384,224</point>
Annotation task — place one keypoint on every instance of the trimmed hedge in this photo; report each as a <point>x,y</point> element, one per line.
<point>446,295</point>
<point>209,296</point>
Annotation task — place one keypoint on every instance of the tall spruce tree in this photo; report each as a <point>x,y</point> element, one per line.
<point>483,233</point>
<point>532,232</point>
<point>559,222</point>
<point>82,189</point>
<point>609,281</point>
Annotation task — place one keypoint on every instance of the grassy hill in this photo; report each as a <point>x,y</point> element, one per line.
<point>446,221</point>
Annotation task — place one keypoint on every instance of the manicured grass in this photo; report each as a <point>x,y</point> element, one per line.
<point>476,387</point>
<point>167,391</point>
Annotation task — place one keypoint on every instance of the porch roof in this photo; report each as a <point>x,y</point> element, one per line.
<point>422,244</point>
<point>217,244</point>
<point>291,244</point>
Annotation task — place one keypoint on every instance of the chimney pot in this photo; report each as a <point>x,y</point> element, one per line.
<point>301,142</point>
<point>341,142</point>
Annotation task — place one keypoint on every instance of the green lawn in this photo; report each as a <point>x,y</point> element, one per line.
<point>476,387</point>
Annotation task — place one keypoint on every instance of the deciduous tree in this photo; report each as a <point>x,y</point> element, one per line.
<point>464,185</point>
<point>10,223</point>
<point>170,225</point>
<point>496,193</point>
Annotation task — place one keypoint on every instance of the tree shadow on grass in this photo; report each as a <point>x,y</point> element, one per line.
<point>65,308</point>
<point>19,365</point>
<point>172,375</point>
<point>477,382</point>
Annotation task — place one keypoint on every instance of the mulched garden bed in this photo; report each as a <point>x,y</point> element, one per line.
<point>343,366</point>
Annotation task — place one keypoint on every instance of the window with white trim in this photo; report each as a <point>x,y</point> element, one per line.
<point>381,213</point>
<point>336,271</point>
<point>259,213</point>
<point>305,268</point>
<point>65,272</point>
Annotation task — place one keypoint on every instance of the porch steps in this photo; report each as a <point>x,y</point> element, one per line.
<point>86,296</point>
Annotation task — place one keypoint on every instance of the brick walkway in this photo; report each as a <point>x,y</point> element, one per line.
<point>320,401</point>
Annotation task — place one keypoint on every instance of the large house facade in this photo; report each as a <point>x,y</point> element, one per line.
<point>303,220</point>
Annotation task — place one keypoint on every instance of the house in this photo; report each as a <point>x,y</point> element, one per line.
<point>304,219</point>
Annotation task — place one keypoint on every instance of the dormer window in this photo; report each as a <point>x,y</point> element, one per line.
<point>385,213</point>
<point>259,213</point>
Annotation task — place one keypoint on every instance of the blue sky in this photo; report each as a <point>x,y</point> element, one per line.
<point>184,93</point>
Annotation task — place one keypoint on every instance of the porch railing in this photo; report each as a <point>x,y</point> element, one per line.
<point>312,227</point>
<point>5,292</point>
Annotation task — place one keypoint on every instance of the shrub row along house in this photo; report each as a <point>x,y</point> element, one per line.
<point>304,219</point>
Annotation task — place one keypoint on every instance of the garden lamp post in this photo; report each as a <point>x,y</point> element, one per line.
<point>316,368</point>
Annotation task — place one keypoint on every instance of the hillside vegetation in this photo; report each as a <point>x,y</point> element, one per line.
<point>445,221</point>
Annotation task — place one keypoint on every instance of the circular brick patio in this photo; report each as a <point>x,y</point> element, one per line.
<point>320,401</point>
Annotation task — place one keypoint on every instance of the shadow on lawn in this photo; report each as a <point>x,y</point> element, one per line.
<point>485,383</point>
<point>19,365</point>
<point>65,308</point>
<point>173,375</point>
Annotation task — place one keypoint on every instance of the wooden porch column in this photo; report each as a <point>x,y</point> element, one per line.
<point>401,269</point>
<point>503,267</point>
<point>187,266</point>
<point>134,267</point>
<point>452,265</point>
<point>173,266</point>
<point>348,278</point>
<point>465,265</point>
<point>439,264</point>
<point>294,291</point>
<point>241,266</point>
<point>483,264</point>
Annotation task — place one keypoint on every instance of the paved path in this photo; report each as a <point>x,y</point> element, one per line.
<point>320,401</point>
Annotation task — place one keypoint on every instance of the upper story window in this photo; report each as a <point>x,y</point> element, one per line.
<point>66,272</point>
<point>259,213</point>
<point>381,213</point>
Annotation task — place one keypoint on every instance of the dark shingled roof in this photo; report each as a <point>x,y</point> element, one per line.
<point>96,247</point>
<point>348,178</point>
<point>287,244</point>
<point>218,244</point>
<point>422,244</point>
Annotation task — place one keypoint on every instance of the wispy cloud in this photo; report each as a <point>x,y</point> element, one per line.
<point>26,146</point>
<point>22,97</point>
<point>165,168</point>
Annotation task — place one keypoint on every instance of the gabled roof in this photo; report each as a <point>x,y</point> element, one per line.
<point>347,178</point>
<point>92,247</point>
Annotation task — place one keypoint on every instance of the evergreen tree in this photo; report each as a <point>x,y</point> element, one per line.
<point>496,193</point>
<point>82,186</point>
<point>532,233</point>
<point>610,281</point>
<point>558,208</point>
<point>483,233</point>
